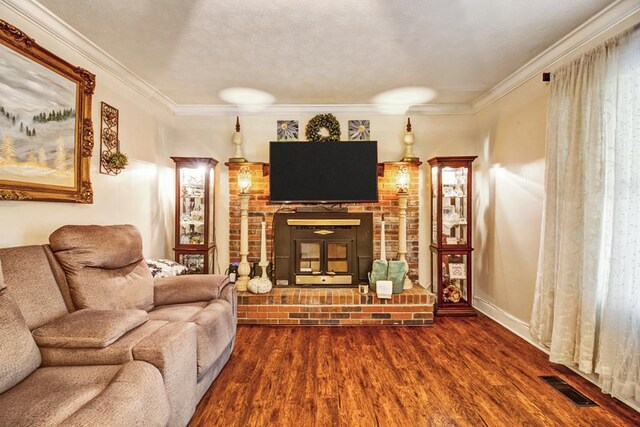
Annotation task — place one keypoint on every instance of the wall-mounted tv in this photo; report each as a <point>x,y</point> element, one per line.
<point>323,172</point>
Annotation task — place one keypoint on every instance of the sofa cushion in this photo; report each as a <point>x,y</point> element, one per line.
<point>119,352</point>
<point>104,266</point>
<point>19,355</point>
<point>215,327</point>
<point>88,328</point>
<point>132,394</point>
<point>191,288</point>
<point>31,283</point>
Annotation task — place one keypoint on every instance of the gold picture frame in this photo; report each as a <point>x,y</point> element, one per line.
<point>46,131</point>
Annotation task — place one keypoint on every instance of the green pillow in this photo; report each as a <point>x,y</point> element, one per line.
<point>379,272</point>
<point>396,273</point>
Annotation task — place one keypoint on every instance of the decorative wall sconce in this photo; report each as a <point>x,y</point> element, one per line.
<point>244,179</point>
<point>237,139</point>
<point>403,179</point>
<point>112,161</point>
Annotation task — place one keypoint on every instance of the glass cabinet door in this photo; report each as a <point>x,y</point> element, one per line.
<point>454,206</point>
<point>192,206</point>
<point>455,274</point>
<point>434,204</point>
<point>194,262</point>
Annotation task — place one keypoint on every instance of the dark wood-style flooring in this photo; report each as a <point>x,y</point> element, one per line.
<point>461,372</point>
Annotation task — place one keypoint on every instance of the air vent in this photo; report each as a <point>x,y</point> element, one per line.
<point>571,393</point>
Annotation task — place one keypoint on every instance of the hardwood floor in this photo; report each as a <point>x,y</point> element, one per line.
<point>462,371</point>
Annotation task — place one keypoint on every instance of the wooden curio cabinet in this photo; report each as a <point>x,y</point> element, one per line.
<point>194,221</point>
<point>451,246</point>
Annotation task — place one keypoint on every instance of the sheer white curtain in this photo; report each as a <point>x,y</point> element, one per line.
<point>587,300</point>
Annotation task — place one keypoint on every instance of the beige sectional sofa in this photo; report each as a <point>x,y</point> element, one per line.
<point>88,338</point>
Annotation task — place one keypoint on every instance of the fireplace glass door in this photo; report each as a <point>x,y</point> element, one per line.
<point>324,262</point>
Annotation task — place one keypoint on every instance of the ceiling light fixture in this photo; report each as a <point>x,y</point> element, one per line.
<point>398,101</point>
<point>246,98</point>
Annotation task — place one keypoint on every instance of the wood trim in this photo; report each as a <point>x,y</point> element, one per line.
<point>323,222</point>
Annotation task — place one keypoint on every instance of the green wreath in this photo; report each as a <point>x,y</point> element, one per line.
<point>323,121</point>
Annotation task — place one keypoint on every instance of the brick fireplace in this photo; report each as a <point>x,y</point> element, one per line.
<point>387,204</point>
<point>335,305</point>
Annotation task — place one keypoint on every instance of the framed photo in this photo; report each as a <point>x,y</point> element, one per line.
<point>457,271</point>
<point>46,132</point>
<point>447,191</point>
<point>359,130</point>
<point>287,130</point>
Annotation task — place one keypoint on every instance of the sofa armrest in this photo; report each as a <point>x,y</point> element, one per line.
<point>89,328</point>
<point>230,294</point>
<point>172,350</point>
<point>190,288</point>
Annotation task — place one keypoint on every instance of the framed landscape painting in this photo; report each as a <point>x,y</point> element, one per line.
<point>46,132</point>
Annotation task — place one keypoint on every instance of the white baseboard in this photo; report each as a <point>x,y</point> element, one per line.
<point>521,329</point>
<point>510,322</point>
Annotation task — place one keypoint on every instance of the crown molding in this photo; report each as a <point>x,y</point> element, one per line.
<point>283,109</point>
<point>594,27</point>
<point>50,23</point>
<point>44,19</point>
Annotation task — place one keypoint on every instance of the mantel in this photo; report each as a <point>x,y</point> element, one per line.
<point>238,165</point>
<point>381,166</point>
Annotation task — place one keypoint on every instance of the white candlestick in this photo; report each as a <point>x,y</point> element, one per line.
<point>263,250</point>
<point>261,285</point>
<point>383,245</point>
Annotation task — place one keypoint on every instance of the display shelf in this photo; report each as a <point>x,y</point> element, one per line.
<point>451,233</point>
<point>195,230</point>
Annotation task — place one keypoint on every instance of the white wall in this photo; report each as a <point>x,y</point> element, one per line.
<point>511,137</point>
<point>211,136</point>
<point>137,196</point>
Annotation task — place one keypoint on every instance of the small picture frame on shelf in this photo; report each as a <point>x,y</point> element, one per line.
<point>447,191</point>
<point>457,271</point>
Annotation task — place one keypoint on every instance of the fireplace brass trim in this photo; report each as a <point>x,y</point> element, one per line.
<point>344,279</point>
<point>323,222</point>
<point>323,232</point>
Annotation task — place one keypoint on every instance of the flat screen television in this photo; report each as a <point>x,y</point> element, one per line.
<point>323,172</point>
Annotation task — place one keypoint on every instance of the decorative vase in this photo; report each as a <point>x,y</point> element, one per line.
<point>259,285</point>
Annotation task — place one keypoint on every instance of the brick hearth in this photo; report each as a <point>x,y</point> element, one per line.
<point>344,306</point>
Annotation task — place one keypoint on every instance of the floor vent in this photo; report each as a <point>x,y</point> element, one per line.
<point>574,395</point>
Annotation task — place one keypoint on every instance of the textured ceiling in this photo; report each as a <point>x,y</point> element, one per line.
<point>323,51</point>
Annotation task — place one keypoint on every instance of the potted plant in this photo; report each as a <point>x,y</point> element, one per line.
<point>117,161</point>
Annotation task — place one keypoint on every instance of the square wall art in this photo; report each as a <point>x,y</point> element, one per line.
<point>359,130</point>
<point>287,130</point>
